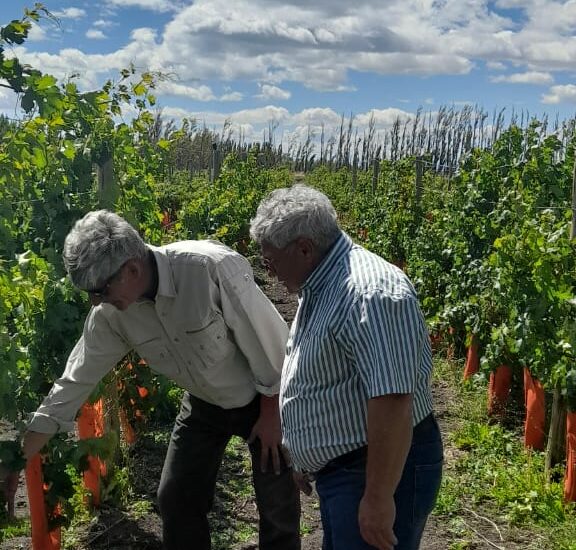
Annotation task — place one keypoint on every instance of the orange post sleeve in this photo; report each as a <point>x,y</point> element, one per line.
<point>91,424</point>
<point>534,425</point>
<point>42,539</point>
<point>472,360</point>
<point>570,477</point>
<point>499,390</point>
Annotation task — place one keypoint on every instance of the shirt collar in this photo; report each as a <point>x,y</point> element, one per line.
<point>321,275</point>
<point>166,285</point>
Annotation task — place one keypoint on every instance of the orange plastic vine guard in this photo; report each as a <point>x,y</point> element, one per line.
<point>570,477</point>
<point>127,429</point>
<point>472,360</point>
<point>91,424</point>
<point>499,390</point>
<point>534,425</point>
<point>42,538</point>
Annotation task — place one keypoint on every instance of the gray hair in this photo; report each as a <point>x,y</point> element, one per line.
<point>98,245</point>
<point>292,212</point>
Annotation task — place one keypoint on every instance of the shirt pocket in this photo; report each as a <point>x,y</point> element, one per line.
<point>157,355</point>
<point>212,344</point>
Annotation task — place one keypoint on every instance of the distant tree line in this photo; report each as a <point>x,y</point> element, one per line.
<point>442,137</point>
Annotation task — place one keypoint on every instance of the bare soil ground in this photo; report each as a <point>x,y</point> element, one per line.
<point>113,529</point>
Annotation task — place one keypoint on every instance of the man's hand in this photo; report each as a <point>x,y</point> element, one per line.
<point>376,518</point>
<point>267,429</point>
<point>8,486</point>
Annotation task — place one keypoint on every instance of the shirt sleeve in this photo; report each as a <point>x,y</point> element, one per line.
<point>97,351</point>
<point>385,336</point>
<point>258,328</point>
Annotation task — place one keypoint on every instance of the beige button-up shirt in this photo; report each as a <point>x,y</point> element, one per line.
<point>210,329</point>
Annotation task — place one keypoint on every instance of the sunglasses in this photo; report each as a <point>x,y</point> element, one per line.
<point>102,291</point>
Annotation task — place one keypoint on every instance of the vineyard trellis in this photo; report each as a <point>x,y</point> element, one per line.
<point>483,227</point>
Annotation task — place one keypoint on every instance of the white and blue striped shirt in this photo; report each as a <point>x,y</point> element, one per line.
<point>358,333</point>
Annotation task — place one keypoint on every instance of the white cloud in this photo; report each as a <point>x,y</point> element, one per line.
<point>102,23</point>
<point>532,77</point>
<point>232,96</point>
<point>292,126</point>
<point>383,118</point>
<point>8,101</point>
<point>268,92</point>
<point>95,34</point>
<point>507,4</point>
<point>496,66</point>
<point>316,117</point>
<point>320,45</point>
<point>36,33</point>
<point>152,5</point>
<point>200,93</point>
<point>261,115</point>
<point>176,113</point>
<point>306,44</point>
<point>70,13</point>
<point>560,94</point>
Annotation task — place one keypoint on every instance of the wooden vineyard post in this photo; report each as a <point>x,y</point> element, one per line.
<point>128,431</point>
<point>419,165</point>
<point>535,412</point>
<point>375,174</point>
<point>451,349</point>
<point>215,168</point>
<point>91,424</point>
<point>42,537</point>
<point>555,448</point>
<point>499,391</point>
<point>472,365</point>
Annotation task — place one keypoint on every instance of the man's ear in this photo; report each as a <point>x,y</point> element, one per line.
<point>134,269</point>
<point>306,249</point>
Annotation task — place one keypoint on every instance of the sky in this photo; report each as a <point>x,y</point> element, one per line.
<point>300,64</point>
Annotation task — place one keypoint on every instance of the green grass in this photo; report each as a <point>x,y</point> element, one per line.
<point>16,528</point>
<point>494,476</point>
<point>230,520</point>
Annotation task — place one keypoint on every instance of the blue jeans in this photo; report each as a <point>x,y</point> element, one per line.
<point>340,486</point>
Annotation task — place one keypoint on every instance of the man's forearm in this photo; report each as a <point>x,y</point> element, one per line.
<point>389,439</point>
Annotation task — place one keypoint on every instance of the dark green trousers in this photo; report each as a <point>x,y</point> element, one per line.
<point>188,481</point>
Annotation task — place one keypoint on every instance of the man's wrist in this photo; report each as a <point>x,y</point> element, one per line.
<point>269,400</point>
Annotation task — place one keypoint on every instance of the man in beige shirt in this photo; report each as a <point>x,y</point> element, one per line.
<point>193,311</point>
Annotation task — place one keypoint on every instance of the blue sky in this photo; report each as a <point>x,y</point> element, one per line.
<point>303,64</point>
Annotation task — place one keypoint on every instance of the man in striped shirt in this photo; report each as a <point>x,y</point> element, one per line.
<point>355,398</point>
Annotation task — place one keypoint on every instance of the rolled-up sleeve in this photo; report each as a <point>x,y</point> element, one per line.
<point>97,351</point>
<point>258,328</point>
